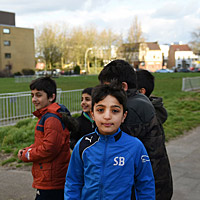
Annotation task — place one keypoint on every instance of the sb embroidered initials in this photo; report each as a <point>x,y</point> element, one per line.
<point>119,161</point>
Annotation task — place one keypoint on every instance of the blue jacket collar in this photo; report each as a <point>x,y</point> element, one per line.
<point>116,136</point>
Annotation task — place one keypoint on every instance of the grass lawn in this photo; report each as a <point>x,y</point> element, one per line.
<point>65,83</point>
<point>183,107</point>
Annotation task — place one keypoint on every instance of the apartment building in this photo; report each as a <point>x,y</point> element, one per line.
<point>180,56</point>
<point>151,56</point>
<point>145,55</point>
<point>165,51</point>
<point>17,50</point>
<point>130,53</point>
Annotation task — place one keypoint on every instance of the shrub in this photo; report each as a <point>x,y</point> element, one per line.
<point>17,74</point>
<point>68,72</point>
<point>28,71</point>
<point>77,69</point>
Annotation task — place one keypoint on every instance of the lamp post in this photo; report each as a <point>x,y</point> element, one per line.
<point>86,53</point>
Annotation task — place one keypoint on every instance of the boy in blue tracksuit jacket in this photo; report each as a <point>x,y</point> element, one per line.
<point>107,163</point>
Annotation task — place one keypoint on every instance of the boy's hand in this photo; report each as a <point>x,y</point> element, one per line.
<point>20,152</point>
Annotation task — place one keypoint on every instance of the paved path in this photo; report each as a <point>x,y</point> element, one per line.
<point>184,155</point>
<point>16,185</point>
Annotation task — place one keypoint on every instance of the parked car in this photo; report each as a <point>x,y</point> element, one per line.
<point>183,70</point>
<point>164,71</point>
<point>54,73</point>
<point>196,69</point>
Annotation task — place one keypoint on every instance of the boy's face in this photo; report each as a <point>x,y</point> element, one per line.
<point>108,115</point>
<point>40,99</point>
<point>86,102</point>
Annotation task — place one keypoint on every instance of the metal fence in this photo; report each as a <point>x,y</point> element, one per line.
<point>192,83</point>
<point>16,106</point>
<point>24,79</point>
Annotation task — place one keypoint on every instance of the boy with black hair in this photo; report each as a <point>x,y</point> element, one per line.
<point>142,123</point>
<point>85,122</point>
<point>107,163</point>
<point>50,152</point>
<point>146,82</point>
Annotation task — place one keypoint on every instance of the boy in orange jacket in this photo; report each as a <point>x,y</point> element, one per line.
<point>50,152</point>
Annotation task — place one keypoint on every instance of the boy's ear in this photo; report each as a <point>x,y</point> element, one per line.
<point>92,114</point>
<point>125,86</point>
<point>142,90</point>
<point>52,98</point>
<point>124,116</point>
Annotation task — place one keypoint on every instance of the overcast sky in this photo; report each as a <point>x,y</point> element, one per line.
<point>165,21</point>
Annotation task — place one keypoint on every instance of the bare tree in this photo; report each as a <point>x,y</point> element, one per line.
<point>59,45</point>
<point>195,43</point>
<point>135,34</point>
<point>47,45</point>
<point>77,41</point>
<point>130,50</point>
<point>105,42</point>
<point>63,42</point>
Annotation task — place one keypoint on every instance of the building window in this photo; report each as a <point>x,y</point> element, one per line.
<point>6,42</point>
<point>6,30</point>
<point>7,55</point>
<point>8,67</point>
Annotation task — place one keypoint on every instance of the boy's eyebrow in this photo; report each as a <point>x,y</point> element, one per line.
<point>116,106</point>
<point>101,105</point>
<point>39,91</point>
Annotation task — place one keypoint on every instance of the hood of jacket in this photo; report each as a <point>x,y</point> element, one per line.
<point>156,101</point>
<point>52,108</point>
<point>161,112</point>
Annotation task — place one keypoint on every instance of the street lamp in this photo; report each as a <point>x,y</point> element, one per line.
<point>86,52</point>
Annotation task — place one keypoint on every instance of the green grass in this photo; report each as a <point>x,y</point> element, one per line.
<point>183,107</point>
<point>65,83</point>
<point>13,138</point>
<point>10,160</point>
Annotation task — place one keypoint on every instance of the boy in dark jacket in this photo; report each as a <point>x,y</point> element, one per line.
<point>50,152</point>
<point>141,121</point>
<point>146,82</point>
<point>85,123</point>
<point>107,163</point>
